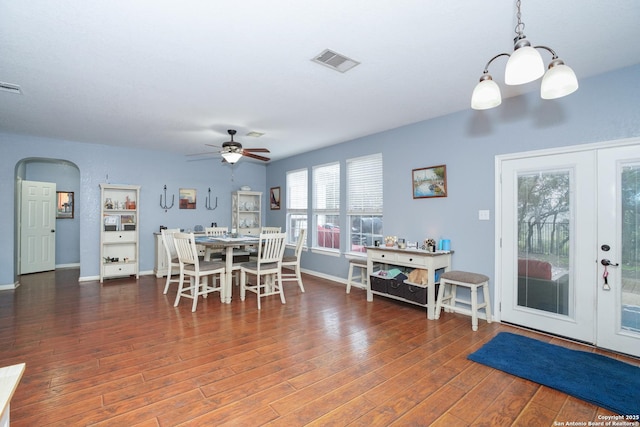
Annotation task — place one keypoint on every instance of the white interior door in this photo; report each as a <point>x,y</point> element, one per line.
<point>547,258</point>
<point>561,215</point>
<point>618,241</point>
<point>38,227</point>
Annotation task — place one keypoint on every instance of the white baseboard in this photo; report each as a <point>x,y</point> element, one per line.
<point>73,265</point>
<point>9,287</point>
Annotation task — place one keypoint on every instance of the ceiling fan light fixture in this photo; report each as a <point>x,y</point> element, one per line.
<point>231,157</point>
<point>525,65</point>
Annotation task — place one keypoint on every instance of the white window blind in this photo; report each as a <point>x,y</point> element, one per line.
<point>364,185</point>
<point>326,188</point>
<point>297,199</point>
<point>326,206</point>
<point>297,203</point>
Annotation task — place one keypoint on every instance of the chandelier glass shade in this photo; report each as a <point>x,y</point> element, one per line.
<point>486,94</point>
<point>525,65</point>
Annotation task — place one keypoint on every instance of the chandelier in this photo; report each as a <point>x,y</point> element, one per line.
<point>523,66</point>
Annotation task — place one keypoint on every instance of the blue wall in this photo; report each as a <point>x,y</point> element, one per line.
<point>100,163</point>
<point>606,107</point>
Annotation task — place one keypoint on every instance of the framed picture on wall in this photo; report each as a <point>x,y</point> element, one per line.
<point>274,198</point>
<point>429,182</point>
<point>64,209</point>
<point>187,198</point>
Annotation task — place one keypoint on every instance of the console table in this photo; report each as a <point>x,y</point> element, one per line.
<point>412,258</point>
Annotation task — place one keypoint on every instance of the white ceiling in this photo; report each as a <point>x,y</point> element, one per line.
<point>175,75</point>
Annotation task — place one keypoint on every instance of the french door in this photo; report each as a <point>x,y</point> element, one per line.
<point>569,226</point>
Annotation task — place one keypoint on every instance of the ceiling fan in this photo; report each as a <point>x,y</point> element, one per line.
<point>232,150</point>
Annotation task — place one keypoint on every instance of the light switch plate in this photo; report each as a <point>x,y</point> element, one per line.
<point>484,215</point>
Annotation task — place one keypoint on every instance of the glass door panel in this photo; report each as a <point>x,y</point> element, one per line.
<point>544,235</point>
<point>630,273</point>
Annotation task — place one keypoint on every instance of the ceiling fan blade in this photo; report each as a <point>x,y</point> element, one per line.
<point>211,145</point>
<point>257,150</point>
<point>202,154</point>
<point>211,156</point>
<point>255,156</point>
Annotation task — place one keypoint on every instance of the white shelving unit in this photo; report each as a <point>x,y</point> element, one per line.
<point>246,212</point>
<point>119,231</point>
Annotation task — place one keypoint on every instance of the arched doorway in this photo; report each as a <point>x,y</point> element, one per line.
<point>66,176</point>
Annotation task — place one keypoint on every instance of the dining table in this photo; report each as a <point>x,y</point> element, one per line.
<point>229,243</point>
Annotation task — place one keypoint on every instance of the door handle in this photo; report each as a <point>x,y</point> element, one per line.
<point>606,263</point>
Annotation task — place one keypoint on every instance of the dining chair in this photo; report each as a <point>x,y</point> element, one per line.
<point>268,230</point>
<point>211,249</point>
<point>198,271</point>
<point>267,268</point>
<point>173,264</point>
<point>293,261</point>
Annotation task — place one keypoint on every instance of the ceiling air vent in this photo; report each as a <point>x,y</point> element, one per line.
<point>335,61</point>
<point>9,87</point>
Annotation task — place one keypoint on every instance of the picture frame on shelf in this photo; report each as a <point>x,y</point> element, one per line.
<point>429,182</point>
<point>187,198</point>
<point>274,198</point>
<point>64,208</point>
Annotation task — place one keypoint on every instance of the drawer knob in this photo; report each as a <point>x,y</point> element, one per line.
<point>410,259</point>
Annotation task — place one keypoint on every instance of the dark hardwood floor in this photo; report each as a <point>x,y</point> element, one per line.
<point>120,354</point>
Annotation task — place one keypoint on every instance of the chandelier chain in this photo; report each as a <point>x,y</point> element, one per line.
<point>520,26</point>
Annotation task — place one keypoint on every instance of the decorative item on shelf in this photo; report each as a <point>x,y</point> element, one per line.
<point>245,188</point>
<point>207,202</point>
<point>108,204</point>
<point>390,240</point>
<point>444,245</point>
<point>523,66</point>
<point>127,222</point>
<point>429,245</point>
<point>129,204</point>
<point>402,244</point>
<point>165,206</point>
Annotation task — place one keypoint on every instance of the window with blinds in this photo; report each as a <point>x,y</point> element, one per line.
<point>297,203</point>
<point>326,205</point>
<point>364,201</point>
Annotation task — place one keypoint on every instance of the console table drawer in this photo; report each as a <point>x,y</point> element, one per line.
<point>409,260</point>
<point>386,257</point>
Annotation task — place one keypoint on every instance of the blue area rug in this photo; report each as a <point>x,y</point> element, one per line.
<point>597,379</point>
